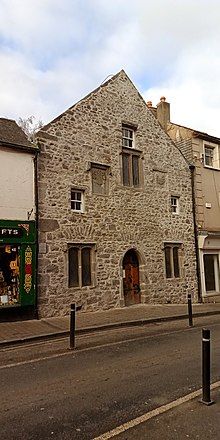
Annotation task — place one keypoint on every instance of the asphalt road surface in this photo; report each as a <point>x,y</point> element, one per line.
<point>49,392</point>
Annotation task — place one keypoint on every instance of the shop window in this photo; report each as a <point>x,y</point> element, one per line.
<point>172,260</point>
<point>100,178</point>
<point>77,200</point>
<point>81,260</point>
<point>9,274</point>
<point>211,269</point>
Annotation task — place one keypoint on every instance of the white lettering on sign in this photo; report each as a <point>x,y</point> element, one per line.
<point>8,232</point>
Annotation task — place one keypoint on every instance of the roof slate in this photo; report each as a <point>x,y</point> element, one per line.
<point>12,134</point>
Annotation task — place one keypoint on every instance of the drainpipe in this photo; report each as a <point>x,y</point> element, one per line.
<point>192,171</point>
<point>37,221</point>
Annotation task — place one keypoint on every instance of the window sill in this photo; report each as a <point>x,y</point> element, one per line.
<point>133,188</point>
<point>82,288</point>
<point>211,168</point>
<point>211,293</point>
<point>129,149</point>
<point>173,279</point>
<point>77,212</point>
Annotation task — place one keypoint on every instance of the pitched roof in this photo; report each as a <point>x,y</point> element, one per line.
<point>199,134</point>
<point>12,135</point>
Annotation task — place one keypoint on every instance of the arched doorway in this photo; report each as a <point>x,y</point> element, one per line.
<point>131,287</point>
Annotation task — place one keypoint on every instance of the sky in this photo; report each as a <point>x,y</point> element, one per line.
<point>54,52</point>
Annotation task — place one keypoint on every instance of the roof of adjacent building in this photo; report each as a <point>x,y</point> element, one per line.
<point>12,135</point>
<point>199,134</point>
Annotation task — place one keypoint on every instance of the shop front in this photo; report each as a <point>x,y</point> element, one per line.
<point>209,248</point>
<point>17,264</point>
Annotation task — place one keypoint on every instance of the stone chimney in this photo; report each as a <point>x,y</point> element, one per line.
<point>163,112</point>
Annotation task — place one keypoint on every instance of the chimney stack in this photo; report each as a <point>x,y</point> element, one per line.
<point>163,112</point>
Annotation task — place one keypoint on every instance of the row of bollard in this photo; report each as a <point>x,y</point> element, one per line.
<point>206,397</point>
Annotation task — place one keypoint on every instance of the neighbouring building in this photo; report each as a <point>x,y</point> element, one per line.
<point>203,151</point>
<point>17,221</point>
<point>110,233</point>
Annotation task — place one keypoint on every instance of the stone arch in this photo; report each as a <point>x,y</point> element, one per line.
<point>142,274</point>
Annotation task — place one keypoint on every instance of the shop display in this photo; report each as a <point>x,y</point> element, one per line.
<point>9,274</point>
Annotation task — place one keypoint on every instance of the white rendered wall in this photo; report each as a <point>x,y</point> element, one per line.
<point>16,185</point>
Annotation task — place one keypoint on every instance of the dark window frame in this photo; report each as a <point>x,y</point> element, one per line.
<point>172,260</point>
<point>131,168</point>
<point>79,276</point>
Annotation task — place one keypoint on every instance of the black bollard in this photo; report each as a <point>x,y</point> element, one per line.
<point>190,310</point>
<point>206,367</point>
<point>72,325</point>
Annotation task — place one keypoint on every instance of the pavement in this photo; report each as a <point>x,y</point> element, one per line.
<point>191,420</point>
<point>141,314</point>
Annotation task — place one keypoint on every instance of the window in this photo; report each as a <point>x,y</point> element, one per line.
<point>212,274</point>
<point>77,200</point>
<point>175,205</point>
<point>172,265</point>
<point>100,178</point>
<point>131,169</point>
<point>211,155</point>
<point>80,265</point>
<point>130,159</point>
<point>127,137</point>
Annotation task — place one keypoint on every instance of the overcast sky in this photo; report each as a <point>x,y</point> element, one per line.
<point>53,52</point>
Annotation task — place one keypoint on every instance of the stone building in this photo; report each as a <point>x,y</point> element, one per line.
<point>202,150</point>
<point>109,233</point>
<point>17,221</point>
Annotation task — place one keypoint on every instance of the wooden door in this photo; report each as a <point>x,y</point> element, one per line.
<point>131,285</point>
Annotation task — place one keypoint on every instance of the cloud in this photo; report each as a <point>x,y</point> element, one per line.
<point>193,89</point>
<point>52,53</point>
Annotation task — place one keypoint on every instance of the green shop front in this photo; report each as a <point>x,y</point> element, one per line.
<point>17,264</point>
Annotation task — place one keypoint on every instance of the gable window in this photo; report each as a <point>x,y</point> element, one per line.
<point>175,204</point>
<point>80,259</point>
<point>211,155</point>
<point>172,259</point>
<point>100,178</point>
<point>77,200</point>
<point>127,137</point>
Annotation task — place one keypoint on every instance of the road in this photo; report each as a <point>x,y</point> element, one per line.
<point>49,392</point>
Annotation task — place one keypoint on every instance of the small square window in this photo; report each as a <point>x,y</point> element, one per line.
<point>175,205</point>
<point>77,200</point>
<point>127,137</point>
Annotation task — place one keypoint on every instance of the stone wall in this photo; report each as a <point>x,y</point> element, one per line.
<point>126,217</point>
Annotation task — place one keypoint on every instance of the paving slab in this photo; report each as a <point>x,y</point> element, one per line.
<point>18,331</point>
